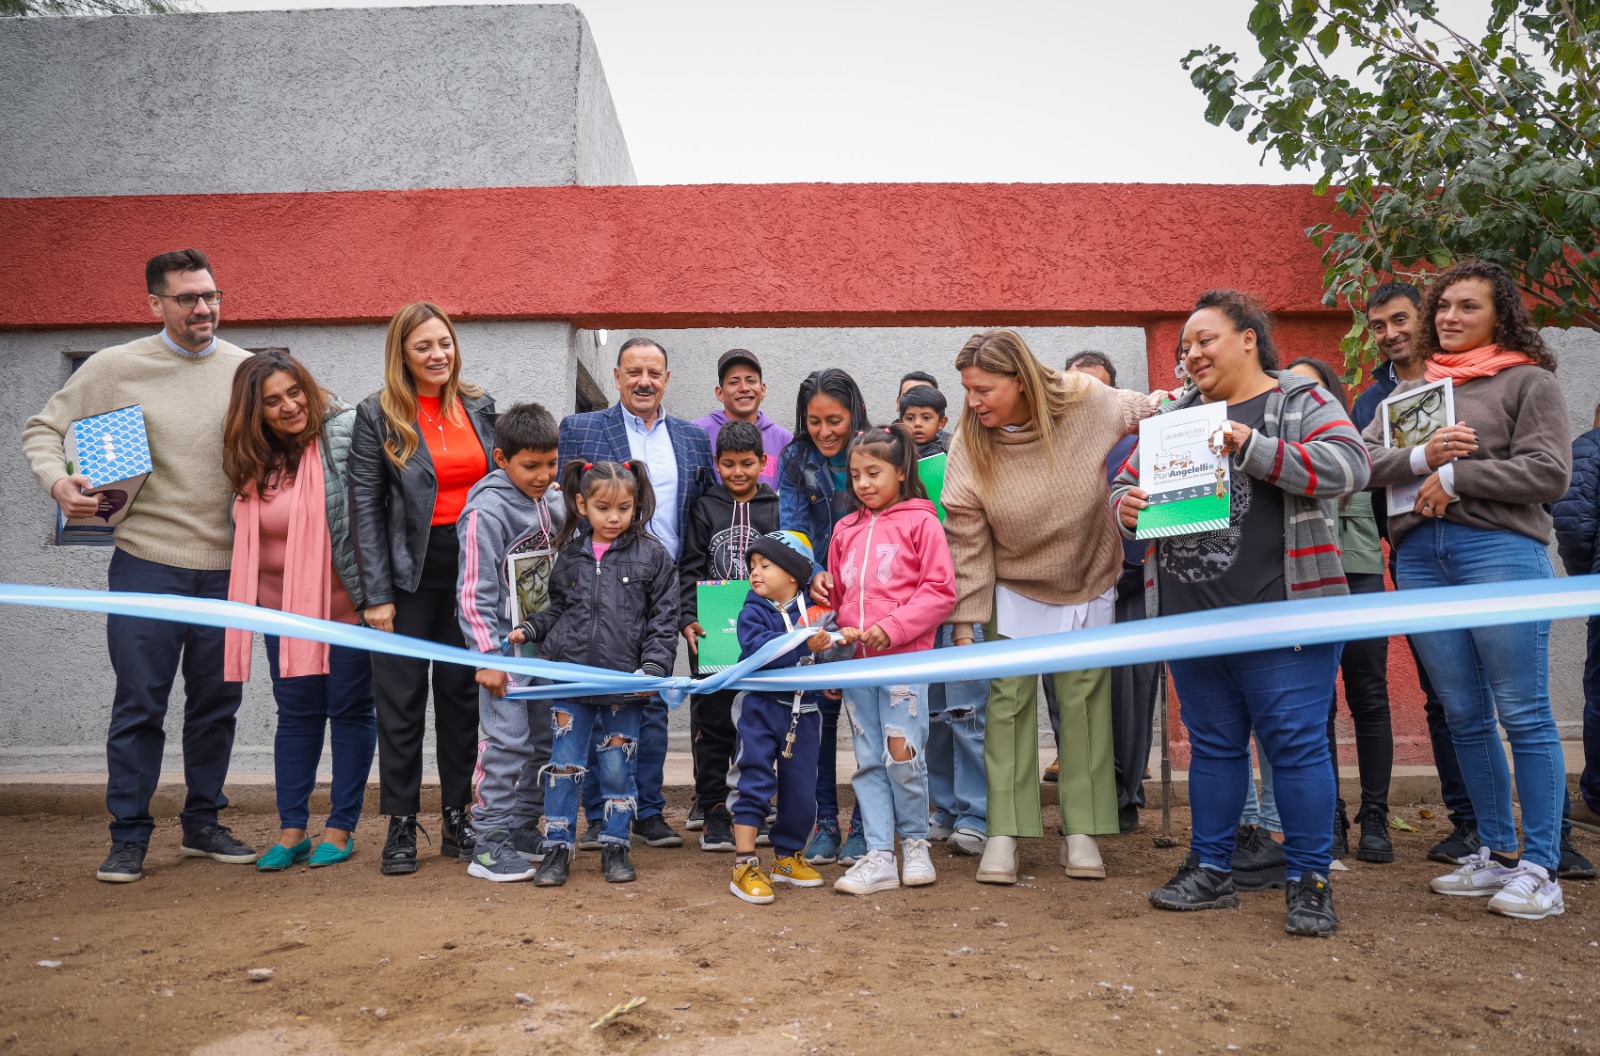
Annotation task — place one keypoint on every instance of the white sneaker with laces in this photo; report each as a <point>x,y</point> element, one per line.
<point>1528,894</point>
<point>1479,876</point>
<point>917,868</point>
<point>872,873</point>
<point>939,833</point>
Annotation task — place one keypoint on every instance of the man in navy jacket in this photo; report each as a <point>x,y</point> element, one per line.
<point>677,456</point>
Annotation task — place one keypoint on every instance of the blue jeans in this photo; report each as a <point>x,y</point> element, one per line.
<point>590,725</point>
<point>651,763</point>
<point>1260,810</point>
<point>1494,672</point>
<point>892,796</point>
<point>146,656</point>
<point>958,787</point>
<point>341,702</point>
<point>1283,695</point>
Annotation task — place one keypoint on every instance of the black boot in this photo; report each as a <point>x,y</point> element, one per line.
<point>459,840</point>
<point>614,864</point>
<point>400,847</point>
<point>1341,832</point>
<point>552,872</point>
<point>1375,845</point>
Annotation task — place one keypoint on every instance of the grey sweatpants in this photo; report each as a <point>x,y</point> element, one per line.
<point>517,735</point>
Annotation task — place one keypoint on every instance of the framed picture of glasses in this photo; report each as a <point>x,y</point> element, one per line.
<point>1409,419</point>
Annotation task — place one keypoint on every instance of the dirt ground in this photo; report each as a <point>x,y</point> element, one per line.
<point>442,963</point>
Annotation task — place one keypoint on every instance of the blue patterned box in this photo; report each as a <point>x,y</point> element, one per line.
<point>113,451</point>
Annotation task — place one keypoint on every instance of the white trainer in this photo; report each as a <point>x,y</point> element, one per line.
<point>916,870</point>
<point>939,833</point>
<point>967,842</point>
<point>1528,894</point>
<point>1479,877</point>
<point>871,873</point>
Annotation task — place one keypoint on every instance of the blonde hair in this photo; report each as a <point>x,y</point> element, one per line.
<point>398,397</point>
<point>1048,394</point>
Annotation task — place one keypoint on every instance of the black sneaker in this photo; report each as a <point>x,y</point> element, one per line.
<point>655,831</point>
<point>696,819</point>
<point>552,872</point>
<point>400,847</point>
<point>1310,907</point>
<point>1375,845</point>
<point>1456,848</point>
<point>1196,888</point>
<point>459,838</point>
<point>1258,863</point>
<point>764,834</point>
<point>124,864</point>
<point>615,866</point>
<point>1574,866</point>
<point>1341,832</point>
<point>218,844</point>
<point>528,841</point>
<point>718,832</point>
<point>590,840</point>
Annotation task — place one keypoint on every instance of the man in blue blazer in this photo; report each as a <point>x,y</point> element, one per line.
<point>678,457</point>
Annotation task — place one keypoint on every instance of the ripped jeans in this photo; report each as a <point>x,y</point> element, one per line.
<point>575,725</point>
<point>891,795</point>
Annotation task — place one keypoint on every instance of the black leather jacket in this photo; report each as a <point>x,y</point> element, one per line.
<point>391,509</point>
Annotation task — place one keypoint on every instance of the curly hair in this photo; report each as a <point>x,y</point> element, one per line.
<point>1245,313</point>
<point>1513,328</point>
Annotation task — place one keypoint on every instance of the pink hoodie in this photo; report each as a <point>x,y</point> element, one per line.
<point>893,569</point>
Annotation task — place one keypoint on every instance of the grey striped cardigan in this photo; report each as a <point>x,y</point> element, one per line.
<point>1308,449</point>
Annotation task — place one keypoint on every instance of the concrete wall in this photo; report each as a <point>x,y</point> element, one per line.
<point>314,100</point>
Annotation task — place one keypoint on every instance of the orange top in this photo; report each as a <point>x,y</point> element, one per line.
<point>459,461</point>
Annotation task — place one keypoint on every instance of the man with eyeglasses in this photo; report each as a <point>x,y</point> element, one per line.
<point>176,539</point>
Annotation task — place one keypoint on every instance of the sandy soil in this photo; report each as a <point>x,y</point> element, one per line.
<point>442,963</point>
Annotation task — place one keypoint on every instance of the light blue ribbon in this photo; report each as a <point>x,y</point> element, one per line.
<point>1220,632</point>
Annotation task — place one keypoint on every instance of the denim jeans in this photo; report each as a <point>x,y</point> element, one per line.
<point>651,764</point>
<point>958,788</point>
<point>339,702</point>
<point>593,723</point>
<point>1490,673</point>
<point>1260,810</point>
<point>892,795</point>
<point>1283,695</point>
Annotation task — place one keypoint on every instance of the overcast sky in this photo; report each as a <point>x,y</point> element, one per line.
<point>1048,91</point>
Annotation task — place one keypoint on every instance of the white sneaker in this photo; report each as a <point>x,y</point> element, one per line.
<point>968,842</point>
<point>939,833</point>
<point>871,873</point>
<point>1528,894</point>
<point>916,870</point>
<point>1479,876</point>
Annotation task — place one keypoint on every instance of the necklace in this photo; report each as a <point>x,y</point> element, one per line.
<point>437,424</point>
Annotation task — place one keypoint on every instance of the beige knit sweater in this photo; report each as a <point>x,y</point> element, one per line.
<point>180,516</point>
<point>1041,529</point>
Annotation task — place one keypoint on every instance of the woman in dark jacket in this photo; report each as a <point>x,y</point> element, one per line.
<point>420,444</point>
<point>286,443</point>
<point>1577,518</point>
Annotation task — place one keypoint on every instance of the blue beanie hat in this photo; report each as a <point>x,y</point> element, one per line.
<point>790,551</point>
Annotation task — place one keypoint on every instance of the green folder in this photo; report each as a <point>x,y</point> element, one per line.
<point>931,470</point>
<point>719,602</point>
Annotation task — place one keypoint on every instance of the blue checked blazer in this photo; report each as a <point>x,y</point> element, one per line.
<point>602,436</point>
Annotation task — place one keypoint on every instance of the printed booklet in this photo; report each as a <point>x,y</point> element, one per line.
<point>1187,482</point>
<point>1409,418</point>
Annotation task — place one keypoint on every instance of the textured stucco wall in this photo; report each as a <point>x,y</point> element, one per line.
<point>354,99</point>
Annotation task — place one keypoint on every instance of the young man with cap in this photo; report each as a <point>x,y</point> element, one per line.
<point>741,390</point>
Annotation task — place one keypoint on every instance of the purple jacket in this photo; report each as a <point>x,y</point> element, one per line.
<point>774,438</point>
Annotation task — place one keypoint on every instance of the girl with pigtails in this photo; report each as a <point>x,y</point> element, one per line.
<point>613,604</point>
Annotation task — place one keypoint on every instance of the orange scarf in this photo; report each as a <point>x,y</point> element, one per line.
<point>307,573</point>
<point>1483,362</point>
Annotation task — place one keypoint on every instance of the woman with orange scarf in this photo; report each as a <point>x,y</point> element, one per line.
<point>1481,517</point>
<point>285,445</point>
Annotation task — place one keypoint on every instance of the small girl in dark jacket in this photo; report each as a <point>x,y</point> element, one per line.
<point>613,604</point>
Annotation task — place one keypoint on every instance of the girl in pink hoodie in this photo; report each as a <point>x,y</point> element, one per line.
<point>891,582</point>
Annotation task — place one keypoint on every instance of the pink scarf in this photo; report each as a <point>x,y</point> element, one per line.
<point>307,573</point>
<point>1483,362</point>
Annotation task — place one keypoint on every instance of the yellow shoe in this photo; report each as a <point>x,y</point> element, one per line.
<point>795,870</point>
<point>1052,773</point>
<point>751,884</point>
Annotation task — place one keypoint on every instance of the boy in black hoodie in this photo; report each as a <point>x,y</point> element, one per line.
<point>721,527</point>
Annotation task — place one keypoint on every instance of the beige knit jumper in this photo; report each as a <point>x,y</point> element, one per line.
<point>1041,529</point>
<point>180,516</point>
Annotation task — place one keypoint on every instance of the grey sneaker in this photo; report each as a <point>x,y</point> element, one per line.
<point>217,843</point>
<point>495,858</point>
<point>590,840</point>
<point>124,864</point>
<point>967,842</point>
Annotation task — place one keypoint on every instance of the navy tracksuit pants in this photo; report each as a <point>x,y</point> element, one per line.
<point>760,770</point>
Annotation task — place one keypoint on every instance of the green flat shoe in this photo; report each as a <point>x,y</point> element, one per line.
<point>328,854</point>
<point>279,857</point>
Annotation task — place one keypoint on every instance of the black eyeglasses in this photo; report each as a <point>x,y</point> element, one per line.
<point>187,300</point>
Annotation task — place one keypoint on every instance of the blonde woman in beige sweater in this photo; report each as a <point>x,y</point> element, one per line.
<point>1026,496</point>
